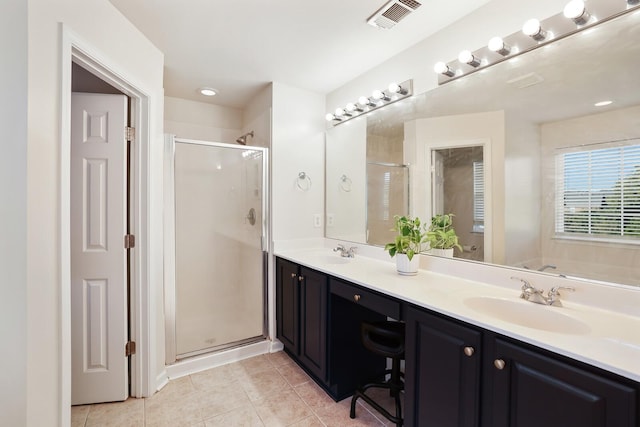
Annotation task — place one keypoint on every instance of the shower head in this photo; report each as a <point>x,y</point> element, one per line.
<point>243,139</point>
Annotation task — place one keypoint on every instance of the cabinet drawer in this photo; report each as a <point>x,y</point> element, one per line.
<point>369,299</point>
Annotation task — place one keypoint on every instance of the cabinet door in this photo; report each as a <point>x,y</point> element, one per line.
<point>313,322</point>
<point>287,287</point>
<point>530,389</point>
<point>442,378</point>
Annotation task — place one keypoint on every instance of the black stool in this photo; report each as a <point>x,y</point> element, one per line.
<point>385,339</point>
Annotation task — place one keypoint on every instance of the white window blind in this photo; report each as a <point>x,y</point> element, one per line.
<point>478,196</point>
<point>598,192</point>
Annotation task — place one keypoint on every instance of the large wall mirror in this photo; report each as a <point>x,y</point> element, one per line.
<point>536,174</point>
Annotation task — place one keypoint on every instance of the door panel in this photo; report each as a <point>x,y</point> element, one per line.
<point>98,258</point>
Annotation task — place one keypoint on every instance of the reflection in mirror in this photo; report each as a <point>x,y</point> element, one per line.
<point>526,114</point>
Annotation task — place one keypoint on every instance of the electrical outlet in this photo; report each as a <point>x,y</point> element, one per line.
<point>317,220</point>
<point>330,220</point>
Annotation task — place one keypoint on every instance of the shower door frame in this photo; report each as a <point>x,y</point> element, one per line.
<point>170,240</point>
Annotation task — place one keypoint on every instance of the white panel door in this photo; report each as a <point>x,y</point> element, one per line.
<point>98,258</point>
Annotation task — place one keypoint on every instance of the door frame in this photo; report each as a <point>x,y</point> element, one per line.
<point>142,380</point>
<point>485,143</point>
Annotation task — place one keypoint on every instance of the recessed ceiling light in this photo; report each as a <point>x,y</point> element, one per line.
<point>208,91</point>
<point>603,103</point>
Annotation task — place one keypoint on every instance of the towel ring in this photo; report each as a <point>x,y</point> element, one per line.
<point>303,182</point>
<point>345,183</point>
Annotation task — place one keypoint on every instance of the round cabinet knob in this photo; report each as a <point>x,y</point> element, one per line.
<point>356,297</point>
<point>499,364</point>
<point>293,275</point>
<point>468,351</point>
<point>300,278</point>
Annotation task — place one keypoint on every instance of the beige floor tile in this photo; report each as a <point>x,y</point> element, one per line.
<point>314,396</point>
<point>294,375</point>
<point>129,413</point>
<point>279,358</point>
<point>282,409</point>
<point>79,415</point>
<point>217,401</point>
<point>182,410</point>
<point>241,417</point>
<point>213,378</point>
<point>338,416</point>
<point>251,366</point>
<point>176,388</point>
<point>311,421</point>
<point>264,384</point>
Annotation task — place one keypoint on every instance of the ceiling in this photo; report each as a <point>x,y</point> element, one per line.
<point>240,46</point>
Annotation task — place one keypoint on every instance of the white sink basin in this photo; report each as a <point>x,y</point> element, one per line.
<point>528,314</point>
<point>333,259</point>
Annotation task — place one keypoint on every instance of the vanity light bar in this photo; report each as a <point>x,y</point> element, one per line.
<point>379,98</point>
<point>574,18</point>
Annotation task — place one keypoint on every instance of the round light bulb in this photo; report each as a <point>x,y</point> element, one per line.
<point>496,44</point>
<point>364,101</point>
<point>339,112</point>
<point>574,9</point>
<point>465,57</point>
<point>351,107</point>
<point>329,117</point>
<point>440,67</point>
<point>377,94</point>
<point>531,27</point>
<point>394,88</point>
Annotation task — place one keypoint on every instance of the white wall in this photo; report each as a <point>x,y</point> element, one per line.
<point>13,212</point>
<point>256,117</point>
<point>199,120</point>
<point>297,146</point>
<point>99,25</point>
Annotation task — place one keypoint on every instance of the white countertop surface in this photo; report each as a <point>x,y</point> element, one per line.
<point>607,339</point>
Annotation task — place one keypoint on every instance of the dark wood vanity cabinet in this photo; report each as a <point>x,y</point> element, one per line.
<point>528,387</point>
<point>460,375</point>
<point>442,371</point>
<point>302,315</point>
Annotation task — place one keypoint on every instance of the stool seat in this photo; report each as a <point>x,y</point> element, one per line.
<point>385,339</point>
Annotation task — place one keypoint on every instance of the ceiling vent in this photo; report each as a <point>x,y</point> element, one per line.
<point>392,12</point>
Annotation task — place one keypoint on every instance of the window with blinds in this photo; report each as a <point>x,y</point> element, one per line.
<point>478,196</point>
<point>598,192</point>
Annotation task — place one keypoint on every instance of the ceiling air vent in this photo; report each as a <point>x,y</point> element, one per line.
<point>392,12</point>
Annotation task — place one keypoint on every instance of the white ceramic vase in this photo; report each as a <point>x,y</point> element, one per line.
<point>406,267</point>
<point>448,253</point>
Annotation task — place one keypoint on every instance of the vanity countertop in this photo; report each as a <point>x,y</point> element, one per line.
<point>602,338</point>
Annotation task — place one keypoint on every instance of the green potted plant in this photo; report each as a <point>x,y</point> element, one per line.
<point>442,236</point>
<point>408,244</point>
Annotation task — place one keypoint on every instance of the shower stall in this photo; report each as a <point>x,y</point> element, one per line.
<point>215,288</point>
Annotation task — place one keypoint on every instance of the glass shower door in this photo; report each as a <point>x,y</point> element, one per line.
<point>219,233</point>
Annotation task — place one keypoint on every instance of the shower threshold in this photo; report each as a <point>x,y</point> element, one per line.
<point>222,347</point>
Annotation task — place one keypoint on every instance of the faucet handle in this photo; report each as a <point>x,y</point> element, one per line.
<point>526,285</point>
<point>554,295</point>
<point>339,248</point>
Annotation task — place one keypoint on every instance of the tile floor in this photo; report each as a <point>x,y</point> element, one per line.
<point>267,390</point>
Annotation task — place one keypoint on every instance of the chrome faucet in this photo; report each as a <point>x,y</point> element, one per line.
<point>346,253</point>
<point>533,294</point>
